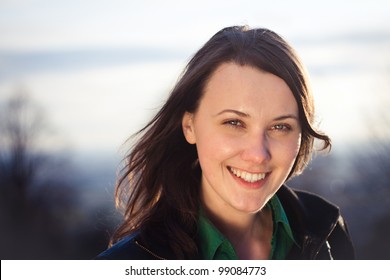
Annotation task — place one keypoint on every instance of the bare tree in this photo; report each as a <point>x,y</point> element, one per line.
<point>21,125</point>
<point>40,210</point>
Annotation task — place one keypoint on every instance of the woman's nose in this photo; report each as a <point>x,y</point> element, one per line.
<point>256,149</point>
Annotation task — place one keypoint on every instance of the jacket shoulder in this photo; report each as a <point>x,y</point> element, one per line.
<point>315,217</point>
<point>313,209</point>
<point>126,249</point>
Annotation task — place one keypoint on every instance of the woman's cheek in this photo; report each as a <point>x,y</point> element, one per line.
<point>217,148</point>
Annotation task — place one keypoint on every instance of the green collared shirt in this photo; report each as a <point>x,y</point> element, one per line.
<point>215,246</point>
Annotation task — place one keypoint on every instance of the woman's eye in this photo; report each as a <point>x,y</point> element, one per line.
<point>234,123</point>
<point>281,127</point>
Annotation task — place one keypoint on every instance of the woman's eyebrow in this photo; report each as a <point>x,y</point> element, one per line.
<point>239,113</point>
<point>283,117</point>
<point>242,114</point>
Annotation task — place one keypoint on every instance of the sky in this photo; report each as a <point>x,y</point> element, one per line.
<point>54,24</point>
<point>101,69</point>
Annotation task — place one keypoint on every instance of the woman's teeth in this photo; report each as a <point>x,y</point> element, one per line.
<point>246,176</point>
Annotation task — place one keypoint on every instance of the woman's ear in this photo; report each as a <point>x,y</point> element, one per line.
<point>188,127</point>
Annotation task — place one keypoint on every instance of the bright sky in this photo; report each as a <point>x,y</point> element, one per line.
<point>46,24</point>
<point>344,44</point>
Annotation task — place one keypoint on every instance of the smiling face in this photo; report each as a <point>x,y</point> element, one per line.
<point>247,134</point>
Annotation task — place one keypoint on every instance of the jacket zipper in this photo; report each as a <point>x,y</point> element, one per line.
<point>320,243</point>
<point>148,251</point>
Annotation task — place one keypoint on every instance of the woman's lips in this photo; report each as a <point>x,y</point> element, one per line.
<point>252,178</point>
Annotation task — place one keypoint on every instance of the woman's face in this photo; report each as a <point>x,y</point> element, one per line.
<point>247,134</point>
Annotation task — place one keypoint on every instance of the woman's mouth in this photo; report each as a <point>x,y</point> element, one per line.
<point>247,176</point>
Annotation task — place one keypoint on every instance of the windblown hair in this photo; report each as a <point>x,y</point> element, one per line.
<point>159,187</point>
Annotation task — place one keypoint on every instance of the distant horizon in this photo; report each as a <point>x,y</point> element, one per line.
<point>101,70</point>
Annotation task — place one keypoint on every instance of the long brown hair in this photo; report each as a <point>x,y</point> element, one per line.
<point>159,185</point>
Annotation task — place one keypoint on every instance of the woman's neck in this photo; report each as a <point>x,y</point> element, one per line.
<point>249,233</point>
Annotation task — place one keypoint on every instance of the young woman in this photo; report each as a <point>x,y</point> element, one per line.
<point>206,177</point>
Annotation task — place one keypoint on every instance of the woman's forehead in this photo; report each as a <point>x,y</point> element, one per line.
<point>247,89</point>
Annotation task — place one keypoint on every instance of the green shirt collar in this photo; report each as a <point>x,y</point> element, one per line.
<point>282,237</point>
<point>214,245</point>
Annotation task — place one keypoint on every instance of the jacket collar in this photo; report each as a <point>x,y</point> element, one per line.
<point>311,218</point>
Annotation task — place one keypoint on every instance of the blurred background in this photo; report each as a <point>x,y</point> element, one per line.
<point>77,78</point>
